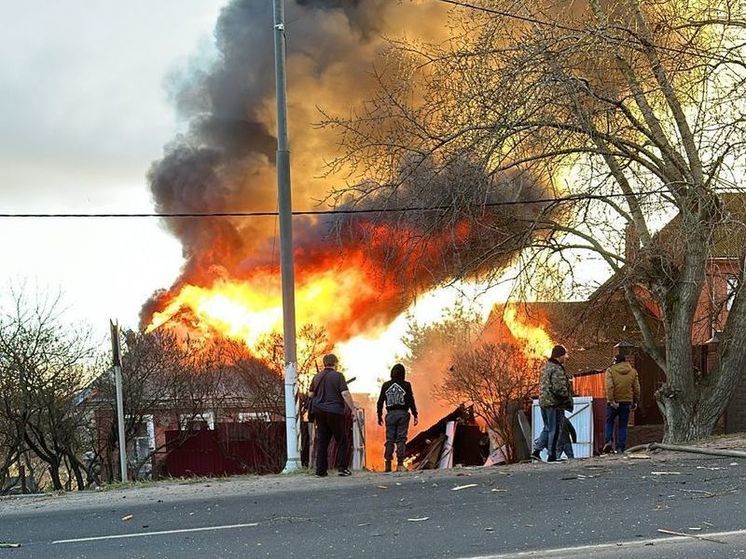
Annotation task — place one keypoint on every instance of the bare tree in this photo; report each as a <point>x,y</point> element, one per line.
<point>312,344</point>
<point>9,435</point>
<point>45,363</point>
<point>628,113</point>
<point>167,379</point>
<point>493,378</point>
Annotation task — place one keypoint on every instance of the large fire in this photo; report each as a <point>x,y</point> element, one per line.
<point>250,308</point>
<point>343,295</point>
<point>537,344</point>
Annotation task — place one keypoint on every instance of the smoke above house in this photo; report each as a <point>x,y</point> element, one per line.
<point>354,272</point>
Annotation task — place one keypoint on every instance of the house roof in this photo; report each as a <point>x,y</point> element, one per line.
<point>729,237</point>
<point>589,329</point>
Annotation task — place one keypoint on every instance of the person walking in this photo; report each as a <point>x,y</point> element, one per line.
<point>622,395</point>
<point>555,397</point>
<point>329,396</point>
<point>399,399</point>
<point>567,438</point>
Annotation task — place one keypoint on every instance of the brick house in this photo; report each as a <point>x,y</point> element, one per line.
<point>592,328</point>
<point>161,428</point>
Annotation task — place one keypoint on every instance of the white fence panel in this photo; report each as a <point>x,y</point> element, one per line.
<point>581,418</point>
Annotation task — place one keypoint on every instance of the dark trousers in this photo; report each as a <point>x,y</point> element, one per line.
<point>612,414</point>
<point>554,423</point>
<point>397,424</point>
<point>330,425</point>
<point>565,443</point>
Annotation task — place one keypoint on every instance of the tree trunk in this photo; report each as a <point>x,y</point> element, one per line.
<point>76,468</point>
<point>682,396</point>
<point>54,473</point>
<point>688,419</point>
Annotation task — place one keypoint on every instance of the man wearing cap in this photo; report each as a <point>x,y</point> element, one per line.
<point>555,397</point>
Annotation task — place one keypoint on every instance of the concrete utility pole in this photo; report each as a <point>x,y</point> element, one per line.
<point>116,354</point>
<point>286,244</point>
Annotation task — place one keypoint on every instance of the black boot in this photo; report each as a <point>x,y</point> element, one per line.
<point>387,466</point>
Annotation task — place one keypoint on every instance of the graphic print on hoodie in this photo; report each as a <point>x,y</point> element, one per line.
<point>397,395</point>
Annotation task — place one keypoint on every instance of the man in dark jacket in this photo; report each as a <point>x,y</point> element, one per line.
<point>555,398</point>
<point>399,399</point>
<point>329,397</point>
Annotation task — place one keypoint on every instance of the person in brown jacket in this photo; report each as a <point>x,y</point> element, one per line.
<point>622,395</point>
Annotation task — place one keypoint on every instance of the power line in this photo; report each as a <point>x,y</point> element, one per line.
<point>342,211</point>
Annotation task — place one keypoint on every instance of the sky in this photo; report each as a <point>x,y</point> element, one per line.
<point>84,110</point>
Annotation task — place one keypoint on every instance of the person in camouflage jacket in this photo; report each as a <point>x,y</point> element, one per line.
<point>555,383</point>
<point>555,397</point>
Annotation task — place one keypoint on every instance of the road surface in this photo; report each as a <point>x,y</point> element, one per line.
<point>601,508</point>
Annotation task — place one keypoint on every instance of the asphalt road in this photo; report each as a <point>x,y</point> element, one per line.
<point>599,508</point>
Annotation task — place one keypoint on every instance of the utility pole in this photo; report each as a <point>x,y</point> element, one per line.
<point>284,199</point>
<point>116,355</point>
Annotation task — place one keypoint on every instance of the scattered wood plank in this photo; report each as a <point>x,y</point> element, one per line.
<point>685,535</point>
<point>467,486</point>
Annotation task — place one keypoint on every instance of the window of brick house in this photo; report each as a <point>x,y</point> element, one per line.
<point>254,416</point>
<point>731,286</point>
<point>198,422</point>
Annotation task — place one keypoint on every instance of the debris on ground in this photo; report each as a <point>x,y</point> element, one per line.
<point>665,473</point>
<point>698,492</point>
<point>685,535</point>
<point>8,544</point>
<point>467,486</point>
<point>127,517</point>
<point>422,519</point>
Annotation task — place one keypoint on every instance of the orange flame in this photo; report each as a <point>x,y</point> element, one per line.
<point>249,309</point>
<point>537,343</point>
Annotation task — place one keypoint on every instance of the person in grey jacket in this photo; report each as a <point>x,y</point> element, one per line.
<point>399,399</point>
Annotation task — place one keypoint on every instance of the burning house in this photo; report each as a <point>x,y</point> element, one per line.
<point>360,264</point>
<point>358,267</point>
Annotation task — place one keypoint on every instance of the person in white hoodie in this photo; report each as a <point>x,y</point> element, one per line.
<point>622,395</point>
